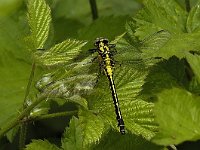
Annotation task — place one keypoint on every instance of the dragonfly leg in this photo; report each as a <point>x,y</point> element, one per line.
<point>92,50</point>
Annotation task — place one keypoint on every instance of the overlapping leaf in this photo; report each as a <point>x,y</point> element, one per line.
<point>114,141</point>
<point>165,45</point>
<point>169,17</point>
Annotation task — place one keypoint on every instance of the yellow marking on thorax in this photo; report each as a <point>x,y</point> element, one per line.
<point>107,60</point>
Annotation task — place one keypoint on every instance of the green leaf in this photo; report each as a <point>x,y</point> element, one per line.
<point>178,45</point>
<point>161,27</point>
<point>178,115</point>
<point>137,114</point>
<point>39,18</point>
<point>139,118</point>
<point>41,145</point>
<point>173,71</point>
<point>114,140</point>
<point>72,138</point>
<point>157,15</point>
<point>193,24</point>
<point>14,69</point>
<point>92,127</point>
<point>194,61</point>
<point>164,44</point>
<point>60,54</point>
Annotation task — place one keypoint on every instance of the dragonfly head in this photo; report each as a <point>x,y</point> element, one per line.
<point>102,40</point>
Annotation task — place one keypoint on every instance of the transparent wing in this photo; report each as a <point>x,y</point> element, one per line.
<point>139,55</point>
<point>73,79</point>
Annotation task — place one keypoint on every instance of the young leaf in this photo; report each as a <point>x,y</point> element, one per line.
<point>72,138</point>
<point>193,24</point>
<point>41,145</point>
<point>39,18</point>
<point>178,115</point>
<point>60,54</point>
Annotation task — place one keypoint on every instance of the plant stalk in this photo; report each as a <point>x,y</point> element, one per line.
<point>23,114</point>
<point>187,5</point>
<point>94,10</point>
<point>23,127</point>
<point>53,115</point>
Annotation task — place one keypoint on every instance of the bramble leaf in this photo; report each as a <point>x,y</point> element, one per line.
<point>60,54</point>
<point>114,140</point>
<point>41,145</point>
<point>178,115</point>
<point>92,127</point>
<point>72,138</point>
<point>160,15</point>
<point>39,18</point>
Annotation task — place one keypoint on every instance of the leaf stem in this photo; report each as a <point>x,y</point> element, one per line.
<point>53,115</point>
<point>187,5</point>
<point>29,84</point>
<point>93,6</point>
<point>23,126</point>
<point>23,114</point>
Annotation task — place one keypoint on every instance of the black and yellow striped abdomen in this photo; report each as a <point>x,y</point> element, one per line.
<point>104,52</point>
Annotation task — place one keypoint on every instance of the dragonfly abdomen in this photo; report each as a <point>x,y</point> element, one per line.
<point>116,104</point>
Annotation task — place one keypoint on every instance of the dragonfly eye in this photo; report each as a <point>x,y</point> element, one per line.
<point>105,41</point>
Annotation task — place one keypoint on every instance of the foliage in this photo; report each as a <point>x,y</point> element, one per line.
<point>156,75</point>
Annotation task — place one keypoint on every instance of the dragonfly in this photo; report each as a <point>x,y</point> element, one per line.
<point>105,50</point>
